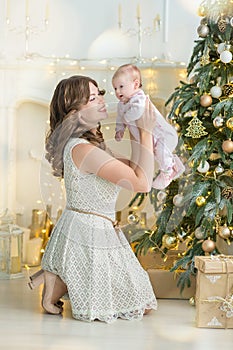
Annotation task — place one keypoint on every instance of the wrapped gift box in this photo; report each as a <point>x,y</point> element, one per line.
<point>164,284</point>
<point>155,260</point>
<point>214,291</point>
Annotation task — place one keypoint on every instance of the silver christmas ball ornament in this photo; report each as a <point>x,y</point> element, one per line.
<point>226,56</point>
<point>203,30</point>
<point>219,169</point>
<point>216,91</point>
<point>224,232</point>
<point>178,200</point>
<point>218,121</point>
<point>199,233</point>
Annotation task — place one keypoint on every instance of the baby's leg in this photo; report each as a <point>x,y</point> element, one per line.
<point>170,165</point>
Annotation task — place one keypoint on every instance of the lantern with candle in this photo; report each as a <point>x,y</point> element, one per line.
<point>11,248</point>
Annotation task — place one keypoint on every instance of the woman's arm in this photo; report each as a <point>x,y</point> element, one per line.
<point>136,176</point>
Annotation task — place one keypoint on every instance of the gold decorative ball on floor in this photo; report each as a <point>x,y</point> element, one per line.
<point>206,100</point>
<point>208,245</point>
<point>227,146</point>
<point>192,301</point>
<point>200,201</point>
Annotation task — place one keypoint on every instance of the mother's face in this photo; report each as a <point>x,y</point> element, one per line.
<point>95,110</point>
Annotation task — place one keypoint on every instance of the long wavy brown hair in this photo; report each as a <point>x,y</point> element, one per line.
<point>69,95</point>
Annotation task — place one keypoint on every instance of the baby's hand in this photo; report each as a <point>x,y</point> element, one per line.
<point>119,134</point>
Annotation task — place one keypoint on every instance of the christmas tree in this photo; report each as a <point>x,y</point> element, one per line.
<point>197,208</point>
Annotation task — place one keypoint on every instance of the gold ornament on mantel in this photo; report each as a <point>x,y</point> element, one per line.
<point>196,129</point>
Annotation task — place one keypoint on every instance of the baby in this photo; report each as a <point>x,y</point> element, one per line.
<point>127,84</point>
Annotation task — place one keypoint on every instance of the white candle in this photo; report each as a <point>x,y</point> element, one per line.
<point>27,8</point>
<point>8,9</point>
<point>47,10</point>
<point>119,14</point>
<point>138,12</point>
<point>26,237</point>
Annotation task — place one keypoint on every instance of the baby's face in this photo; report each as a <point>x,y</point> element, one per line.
<point>124,88</point>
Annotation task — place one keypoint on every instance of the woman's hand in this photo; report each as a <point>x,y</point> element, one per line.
<point>148,118</point>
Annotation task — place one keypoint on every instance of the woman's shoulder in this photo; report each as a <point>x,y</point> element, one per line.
<point>74,141</point>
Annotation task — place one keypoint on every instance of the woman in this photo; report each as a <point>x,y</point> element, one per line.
<point>88,255</point>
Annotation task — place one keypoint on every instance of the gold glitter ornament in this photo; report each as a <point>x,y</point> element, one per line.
<point>229,123</point>
<point>227,90</point>
<point>195,129</point>
<point>227,192</point>
<point>200,201</point>
<point>222,24</point>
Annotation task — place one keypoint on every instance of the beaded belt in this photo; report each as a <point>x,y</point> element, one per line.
<point>115,223</point>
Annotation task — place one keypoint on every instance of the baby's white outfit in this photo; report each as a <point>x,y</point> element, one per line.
<point>164,136</point>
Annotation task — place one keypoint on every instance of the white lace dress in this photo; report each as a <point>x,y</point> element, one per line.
<point>105,281</point>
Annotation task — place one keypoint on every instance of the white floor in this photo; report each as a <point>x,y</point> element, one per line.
<point>24,325</point>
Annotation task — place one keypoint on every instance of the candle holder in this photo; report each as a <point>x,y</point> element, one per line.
<point>28,29</point>
<point>140,31</point>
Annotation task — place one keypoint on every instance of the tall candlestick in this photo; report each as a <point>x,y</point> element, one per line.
<point>119,15</point>
<point>138,12</point>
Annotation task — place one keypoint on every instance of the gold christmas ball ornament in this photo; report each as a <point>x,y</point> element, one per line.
<point>203,30</point>
<point>229,123</point>
<point>227,89</point>
<point>227,146</point>
<point>200,201</point>
<point>202,11</point>
<point>199,233</point>
<point>169,242</point>
<point>224,231</point>
<point>208,245</point>
<point>218,122</point>
<point>177,127</point>
<point>206,100</point>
